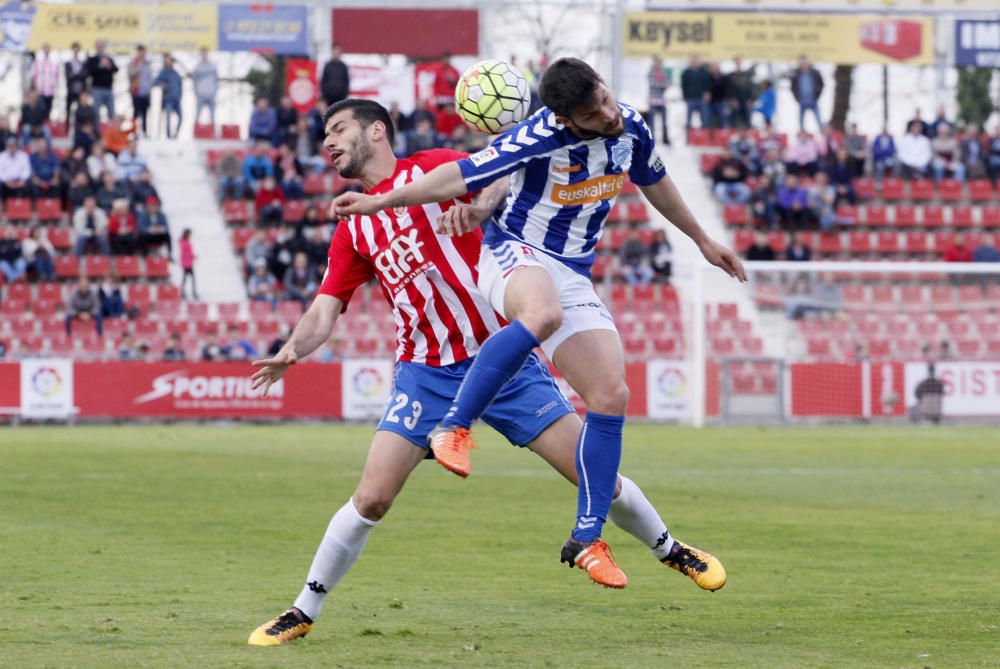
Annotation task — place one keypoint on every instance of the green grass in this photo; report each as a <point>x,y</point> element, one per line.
<point>164,546</point>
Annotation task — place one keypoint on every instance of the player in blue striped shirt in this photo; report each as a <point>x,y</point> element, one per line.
<point>566,164</point>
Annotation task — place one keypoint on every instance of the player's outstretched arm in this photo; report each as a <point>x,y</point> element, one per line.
<point>463,218</point>
<point>310,332</point>
<point>444,182</point>
<point>667,200</point>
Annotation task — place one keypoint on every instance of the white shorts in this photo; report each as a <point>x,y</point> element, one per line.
<point>582,308</point>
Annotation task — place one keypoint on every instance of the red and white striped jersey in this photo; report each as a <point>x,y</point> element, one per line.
<point>428,279</point>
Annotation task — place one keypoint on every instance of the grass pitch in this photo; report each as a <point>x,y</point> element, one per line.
<point>164,546</point>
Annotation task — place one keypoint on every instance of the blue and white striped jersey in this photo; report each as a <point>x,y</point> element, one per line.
<point>562,187</point>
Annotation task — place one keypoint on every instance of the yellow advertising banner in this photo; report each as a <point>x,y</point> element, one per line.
<point>166,27</point>
<point>830,38</point>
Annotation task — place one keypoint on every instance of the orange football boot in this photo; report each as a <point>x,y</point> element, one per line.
<point>596,559</point>
<point>451,446</point>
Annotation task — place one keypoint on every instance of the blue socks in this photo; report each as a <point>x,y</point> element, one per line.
<point>499,359</point>
<point>598,454</point>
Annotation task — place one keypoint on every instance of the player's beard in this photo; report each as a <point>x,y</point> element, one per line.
<point>359,157</point>
<point>588,133</point>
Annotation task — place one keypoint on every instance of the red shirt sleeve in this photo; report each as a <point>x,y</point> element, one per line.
<point>346,269</point>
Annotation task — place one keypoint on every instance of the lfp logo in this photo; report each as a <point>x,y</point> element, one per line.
<point>368,382</point>
<point>46,382</point>
<point>672,383</point>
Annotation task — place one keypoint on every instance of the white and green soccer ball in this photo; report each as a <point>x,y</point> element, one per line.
<point>492,96</point>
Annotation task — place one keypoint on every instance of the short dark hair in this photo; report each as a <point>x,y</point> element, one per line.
<point>366,112</point>
<point>567,85</point>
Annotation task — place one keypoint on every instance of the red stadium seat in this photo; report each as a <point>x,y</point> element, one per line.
<point>12,306</point>
<point>962,217</point>
<point>48,209</point>
<point>854,295</point>
<point>230,131</point>
<point>991,216</point>
<point>61,238</point>
<point>698,137</point>
<point>864,188</point>
<point>879,348</point>
<point>636,212</point>
<point>728,311</point>
<point>981,190</point>
<point>893,189</point>
<point>599,270</point>
<point>614,238</point>
<point>968,348</point>
<point>921,190</point>
<point>876,215</point>
<point>708,161</point>
<point>168,293</point>
<point>830,243</point>
<point>942,295</point>
<point>18,209</point>
<point>916,243</point>
<point>859,242</point>
<point>314,184</point>
<point>950,190</point>
<point>96,267</point>
<point>268,328</point>
<point>735,214</point>
<point>752,346</point>
<point>157,268</point>
<point>933,216</point>
<point>887,242</point>
<point>742,240</point>
<point>722,346</point>
<point>62,346</point>
<point>778,241</point>
<point>147,327</point>
<point>236,211</point>
<point>204,131</point>
<point>241,237</point>
<point>229,311</point>
<point>666,346</point>
<point>294,211</point>
<point>883,294</point>
<point>19,291</point>
<point>127,268</point>
<point>629,189</point>
<point>847,213</point>
<point>905,215</point>
<point>67,267</point>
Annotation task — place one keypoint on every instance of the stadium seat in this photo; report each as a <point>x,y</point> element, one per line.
<point>294,211</point>
<point>904,215</point>
<point>933,216</point>
<point>854,295</point>
<point>12,306</point>
<point>698,137</point>
<point>127,268</point>
<point>115,327</point>
<point>950,190</point>
<point>916,243</point>
<point>879,348</point>
<point>616,214</point>
<point>629,189</point>
<point>230,131</point>
<point>818,347</point>
<point>19,291</point>
<point>147,327</point>
<point>971,294</point>
<point>204,131</point>
<point>968,348</point>
<point>921,190</point>
<point>168,293</point>
<point>830,243</point>
<point>599,270</point>
<point>778,241</point>
<point>735,214</point>
<point>270,329</point>
<point>942,295</point>
<point>48,209</point>
<point>887,242</point>
<point>18,209</point>
<point>636,212</point>
<point>96,267</point>
<point>236,211</point>
<point>613,238</point>
<point>21,325</point>
<point>883,294</point>
<point>752,346</point>
<point>229,311</point>
<point>859,242</point>
<point>241,237</point>
<point>67,267</point>
<point>875,215</point>
<point>864,188</point>
<point>61,238</point>
<point>981,190</point>
<point>61,346</point>
<point>893,189</point>
<point>314,184</point>
<point>58,129</point>
<point>157,268</point>
<point>742,240</point>
<point>666,346</point>
<point>991,216</point>
<point>708,161</point>
<point>962,217</point>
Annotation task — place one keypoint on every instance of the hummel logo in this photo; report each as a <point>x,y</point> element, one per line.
<point>316,586</point>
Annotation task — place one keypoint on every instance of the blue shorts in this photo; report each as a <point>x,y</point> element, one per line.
<point>422,395</point>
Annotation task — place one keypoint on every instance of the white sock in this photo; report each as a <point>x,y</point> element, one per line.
<point>632,512</point>
<point>342,544</point>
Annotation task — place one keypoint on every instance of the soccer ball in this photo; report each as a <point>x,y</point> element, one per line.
<point>492,96</point>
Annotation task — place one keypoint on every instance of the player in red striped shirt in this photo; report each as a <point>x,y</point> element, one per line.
<point>429,279</point>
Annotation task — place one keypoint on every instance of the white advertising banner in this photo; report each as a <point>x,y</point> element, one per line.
<point>47,388</point>
<point>969,388</point>
<point>668,389</point>
<point>367,385</point>
<point>386,84</point>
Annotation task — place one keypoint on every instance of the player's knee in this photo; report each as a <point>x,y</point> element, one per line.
<point>543,320</point>
<point>372,505</point>
<point>611,399</point>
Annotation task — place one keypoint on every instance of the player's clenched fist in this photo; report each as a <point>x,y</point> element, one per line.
<point>460,219</point>
<point>347,204</point>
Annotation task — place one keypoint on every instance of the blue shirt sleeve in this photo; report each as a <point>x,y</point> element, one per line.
<point>647,165</point>
<point>533,138</point>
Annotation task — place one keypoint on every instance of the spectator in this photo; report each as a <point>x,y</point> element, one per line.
<point>761,248</point>
<point>857,150</point>
<point>174,352</point>
<point>763,204</point>
<point>187,265</point>
<point>300,280</point>
<point>140,84</point>
<point>5,131</point>
<point>40,254</point>
<point>211,351</point>
<point>827,295</point>
<point>772,167</point>
<point>947,154</point>
<point>993,157</point>
<point>972,152</point>
<point>128,350</point>
<point>807,86</point>
<point>423,136</point>
<point>109,192</point>
<point>84,305</point>
<point>940,121</point>
<point>445,80</point>
<point>13,264</point>
<point>986,251</point>
<point>883,154</point>
<point>634,258</point>
<point>305,149</point>
<point>75,74</point>
<point>288,172</point>
<point>914,153</point>
<point>169,80</point>
<point>739,91</point>
<point>823,202</point>
<point>315,119</point>
<point>957,251</point>
<point>270,203</point>
<point>79,190</point>
<point>793,203</point>
<point>798,299</point>
<point>45,171</point>
<point>401,122</point>
<point>842,177</point>
<point>717,96</point>
<point>279,257</point>
<point>658,80</point>
<point>262,284</point>
<point>90,224</point>
<point>729,175</point>
<point>311,243</point>
<point>257,166</point>
<point>696,86</point>
<point>661,255</point>
<point>205,78</point>
<point>112,299</point>
<point>263,122</point>
<point>743,147</point>
<point>34,119</point>
<point>122,231</point>
<point>100,161</point>
<point>75,161</point>
<point>231,184</point>
<point>335,84</point>
<point>828,144</point>
<point>798,250</point>
<point>802,155</point>
<point>85,136</point>
<point>766,102</point>
<point>256,250</point>
<point>446,120</point>
<point>15,171</point>
<point>153,228</point>
<point>287,117</point>
<point>101,71</point>
<point>117,134</point>
<point>279,341</point>
<point>86,113</point>
<point>142,191</point>
<point>130,164</point>
<point>238,347</point>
